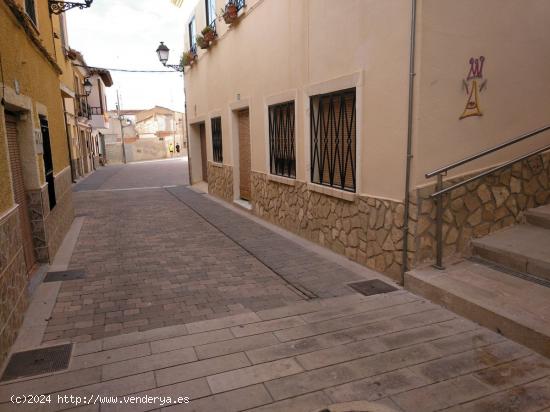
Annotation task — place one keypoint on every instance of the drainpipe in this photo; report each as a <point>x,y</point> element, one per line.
<point>412,74</point>
<point>186,129</point>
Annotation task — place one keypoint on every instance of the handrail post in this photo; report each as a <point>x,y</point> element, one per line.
<point>439,224</point>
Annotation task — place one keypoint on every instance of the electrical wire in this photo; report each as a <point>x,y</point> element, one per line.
<point>125,70</point>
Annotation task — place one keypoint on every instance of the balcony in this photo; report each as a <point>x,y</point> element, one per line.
<point>83,108</point>
<point>232,9</point>
<point>100,120</point>
<point>96,111</point>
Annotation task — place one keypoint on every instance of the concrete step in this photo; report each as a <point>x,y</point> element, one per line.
<point>539,216</point>
<point>516,308</point>
<point>523,248</point>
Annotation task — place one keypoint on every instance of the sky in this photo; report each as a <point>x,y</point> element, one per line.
<point>125,34</point>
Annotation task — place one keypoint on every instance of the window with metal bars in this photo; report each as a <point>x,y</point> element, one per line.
<point>31,10</point>
<point>210,6</point>
<point>217,151</point>
<point>192,27</point>
<point>282,152</point>
<point>333,139</point>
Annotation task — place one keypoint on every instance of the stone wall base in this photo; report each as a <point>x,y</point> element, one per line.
<point>367,230</point>
<point>13,281</point>
<point>480,207</point>
<point>49,227</point>
<point>220,181</point>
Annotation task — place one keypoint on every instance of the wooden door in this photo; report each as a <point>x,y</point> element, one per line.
<point>244,154</point>
<point>20,195</point>
<point>204,158</point>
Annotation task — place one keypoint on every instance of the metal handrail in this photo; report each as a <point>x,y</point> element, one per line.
<point>440,191</point>
<point>488,172</point>
<point>487,151</point>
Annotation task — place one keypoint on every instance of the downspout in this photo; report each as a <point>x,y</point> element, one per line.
<point>412,74</point>
<point>186,129</point>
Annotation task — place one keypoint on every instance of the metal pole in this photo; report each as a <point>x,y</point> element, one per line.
<point>121,127</point>
<point>408,161</point>
<point>439,225</point>
<point>189,171</point>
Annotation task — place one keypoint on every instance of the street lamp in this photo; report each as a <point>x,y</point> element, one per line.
<point>87,87</point>
<point>163,53</point>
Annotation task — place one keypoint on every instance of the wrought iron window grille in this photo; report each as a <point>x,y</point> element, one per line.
<point>210,8</point>
<point>333,139</point>
<point>282,152</point>
<point>217,148</point>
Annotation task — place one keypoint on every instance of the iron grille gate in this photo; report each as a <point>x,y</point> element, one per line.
<point>333,139</point>
<point>282,157</point>
<point>217,139</point>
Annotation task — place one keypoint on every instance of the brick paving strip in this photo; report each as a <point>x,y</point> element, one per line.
<point>309,272</point>
<point>393,349</point>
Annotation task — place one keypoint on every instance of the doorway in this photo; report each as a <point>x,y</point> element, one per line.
<point>204,158</point>
<point>244,154</point>
<point>20,196</point>
<point>48,161</point>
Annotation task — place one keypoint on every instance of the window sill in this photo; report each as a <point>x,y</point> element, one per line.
<point>283,180</point>
<point>329,191</point>
<point>216,164</point>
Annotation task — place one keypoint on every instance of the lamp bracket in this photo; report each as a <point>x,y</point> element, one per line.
<point>176,67</point>
<point>58,7</point>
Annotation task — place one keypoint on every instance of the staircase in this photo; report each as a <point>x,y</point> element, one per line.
<point>524,248</point>
<point>505,286</point>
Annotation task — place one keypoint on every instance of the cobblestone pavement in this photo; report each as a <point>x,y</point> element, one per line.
<point>394,350</point>
<point>156,173</point>
<point>155,257</point>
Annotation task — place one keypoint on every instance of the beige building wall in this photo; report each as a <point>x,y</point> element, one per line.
<point>283,50</point>
<point>513,38</point>
<point>318,48</point>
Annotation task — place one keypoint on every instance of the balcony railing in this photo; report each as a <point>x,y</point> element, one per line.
<point>83,108</point>
<point>239,3</point>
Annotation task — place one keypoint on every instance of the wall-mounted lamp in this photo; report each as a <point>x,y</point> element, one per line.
<point>58,7</point>
<point>87,88</point>
<point>163,53</point>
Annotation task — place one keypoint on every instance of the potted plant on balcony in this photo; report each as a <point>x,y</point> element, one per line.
<point>209,34</point>
<point>188,58</point>
<point>201,42</point>
<point>230,13</point>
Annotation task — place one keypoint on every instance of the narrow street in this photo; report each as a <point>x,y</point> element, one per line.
<point>180,296</point>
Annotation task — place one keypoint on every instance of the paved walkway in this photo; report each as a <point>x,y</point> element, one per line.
<point>395,350</point>
<point>157,256</point>
<point>184,297</point>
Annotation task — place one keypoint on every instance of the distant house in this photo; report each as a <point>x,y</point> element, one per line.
<point>148,134</point>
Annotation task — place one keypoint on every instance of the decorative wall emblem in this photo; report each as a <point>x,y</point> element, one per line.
<point>474,84</point>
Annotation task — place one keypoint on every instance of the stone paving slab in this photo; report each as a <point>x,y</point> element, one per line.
<point>435,362</point>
